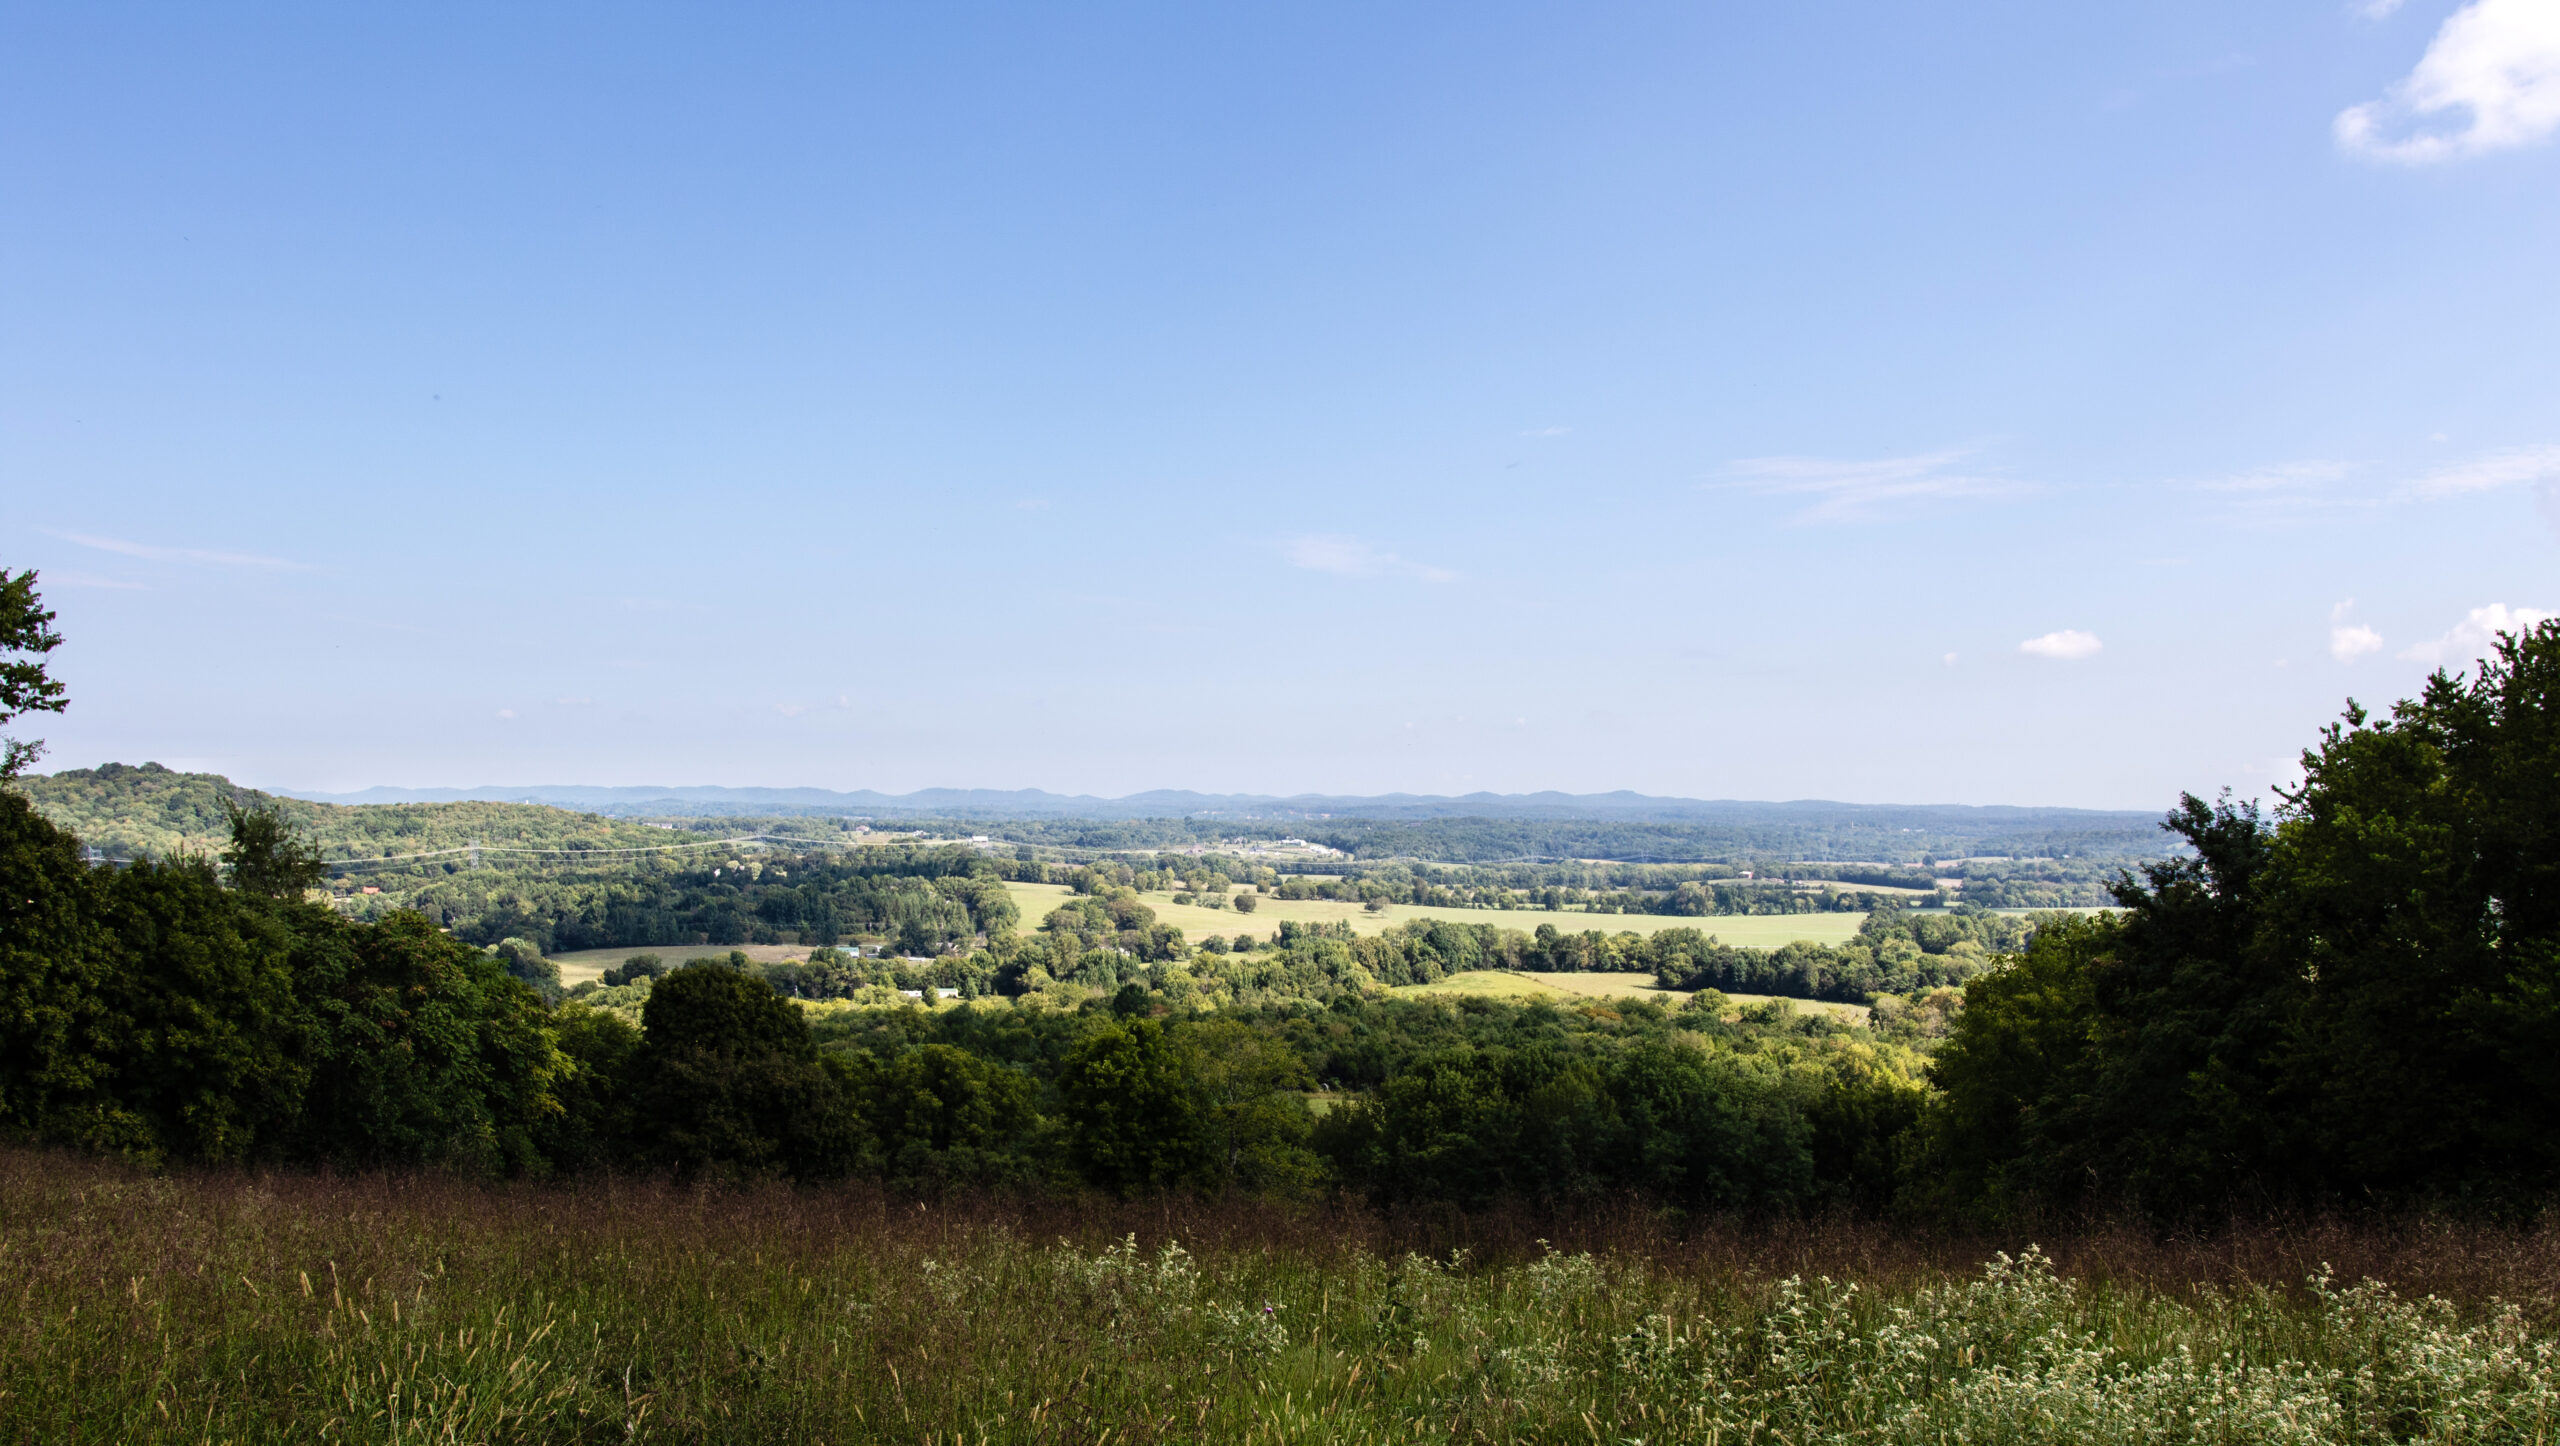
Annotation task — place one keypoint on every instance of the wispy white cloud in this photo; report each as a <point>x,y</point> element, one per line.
<point>1355,557</point>
<point>1546,432</point>
<point>2378,9</point>
<point>2490,81</point>
<point>152,553</point>
<point>2069,645</point>
<point>2281,476</point>
<point>2471,637</point>
<point>72,577</point>
<point>2516,467</point>
<point>2284,493</point>
<point>1859,491</point>
<point>2351,641</point>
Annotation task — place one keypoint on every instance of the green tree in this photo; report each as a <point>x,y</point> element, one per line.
<point>2194,1010</point>
<point>594,1125</point>
<point>1253,1107</point>
<point>210,1042</point>
<point>268,856</point>
<point>26,637</point>
<point>56,1069</point>
<point>939,1114</point>
<point>1133,1109</point>
<point>525,963</point>
<point>426,1051</point>
<point>2016,1080</point>
<point>2362,1000</point>
<point>2415,898</point>
<point>726,1083</point>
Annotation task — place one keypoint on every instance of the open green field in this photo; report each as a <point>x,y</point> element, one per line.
<point>1522,987</point>
<point>1751,931</point>
<point>580,965</point>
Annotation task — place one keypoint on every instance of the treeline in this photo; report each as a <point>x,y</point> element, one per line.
<point>1493,840</point>
<point>921,899</point>
<point>1693,890</point>
<point>2038,883</point>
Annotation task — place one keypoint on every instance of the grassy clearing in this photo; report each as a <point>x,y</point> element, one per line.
<point>1523,987</point>
<point>1753,931</point>
<point>273,1308</point>
<point>1641,986</point>
<point>580,965</point>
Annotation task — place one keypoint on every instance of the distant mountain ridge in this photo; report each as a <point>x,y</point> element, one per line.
<point>1184,803</point>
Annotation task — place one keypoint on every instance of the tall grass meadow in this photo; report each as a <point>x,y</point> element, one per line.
<point>211,1308</point>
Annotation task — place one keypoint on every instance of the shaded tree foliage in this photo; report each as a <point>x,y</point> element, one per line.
<point>2360,997</point>
<point>726,1082</point>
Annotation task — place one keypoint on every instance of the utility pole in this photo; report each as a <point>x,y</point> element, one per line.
<point>475,853</point>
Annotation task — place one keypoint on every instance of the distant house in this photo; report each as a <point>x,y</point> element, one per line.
<point>940,993</point>
<point>373,888</point>
<point>912,993</point>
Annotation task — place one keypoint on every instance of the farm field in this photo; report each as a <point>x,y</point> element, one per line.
<point>1750,931</point>
<point>1523,987</point>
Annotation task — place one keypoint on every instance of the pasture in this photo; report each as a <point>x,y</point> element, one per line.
<point>1749,931</point>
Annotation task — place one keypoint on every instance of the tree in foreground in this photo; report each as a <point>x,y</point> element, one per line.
<point>2359,999</point>
<point>727,1084</point>
<point>26,637</point>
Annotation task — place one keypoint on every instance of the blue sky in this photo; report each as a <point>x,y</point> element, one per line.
<point>1967,403</point>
